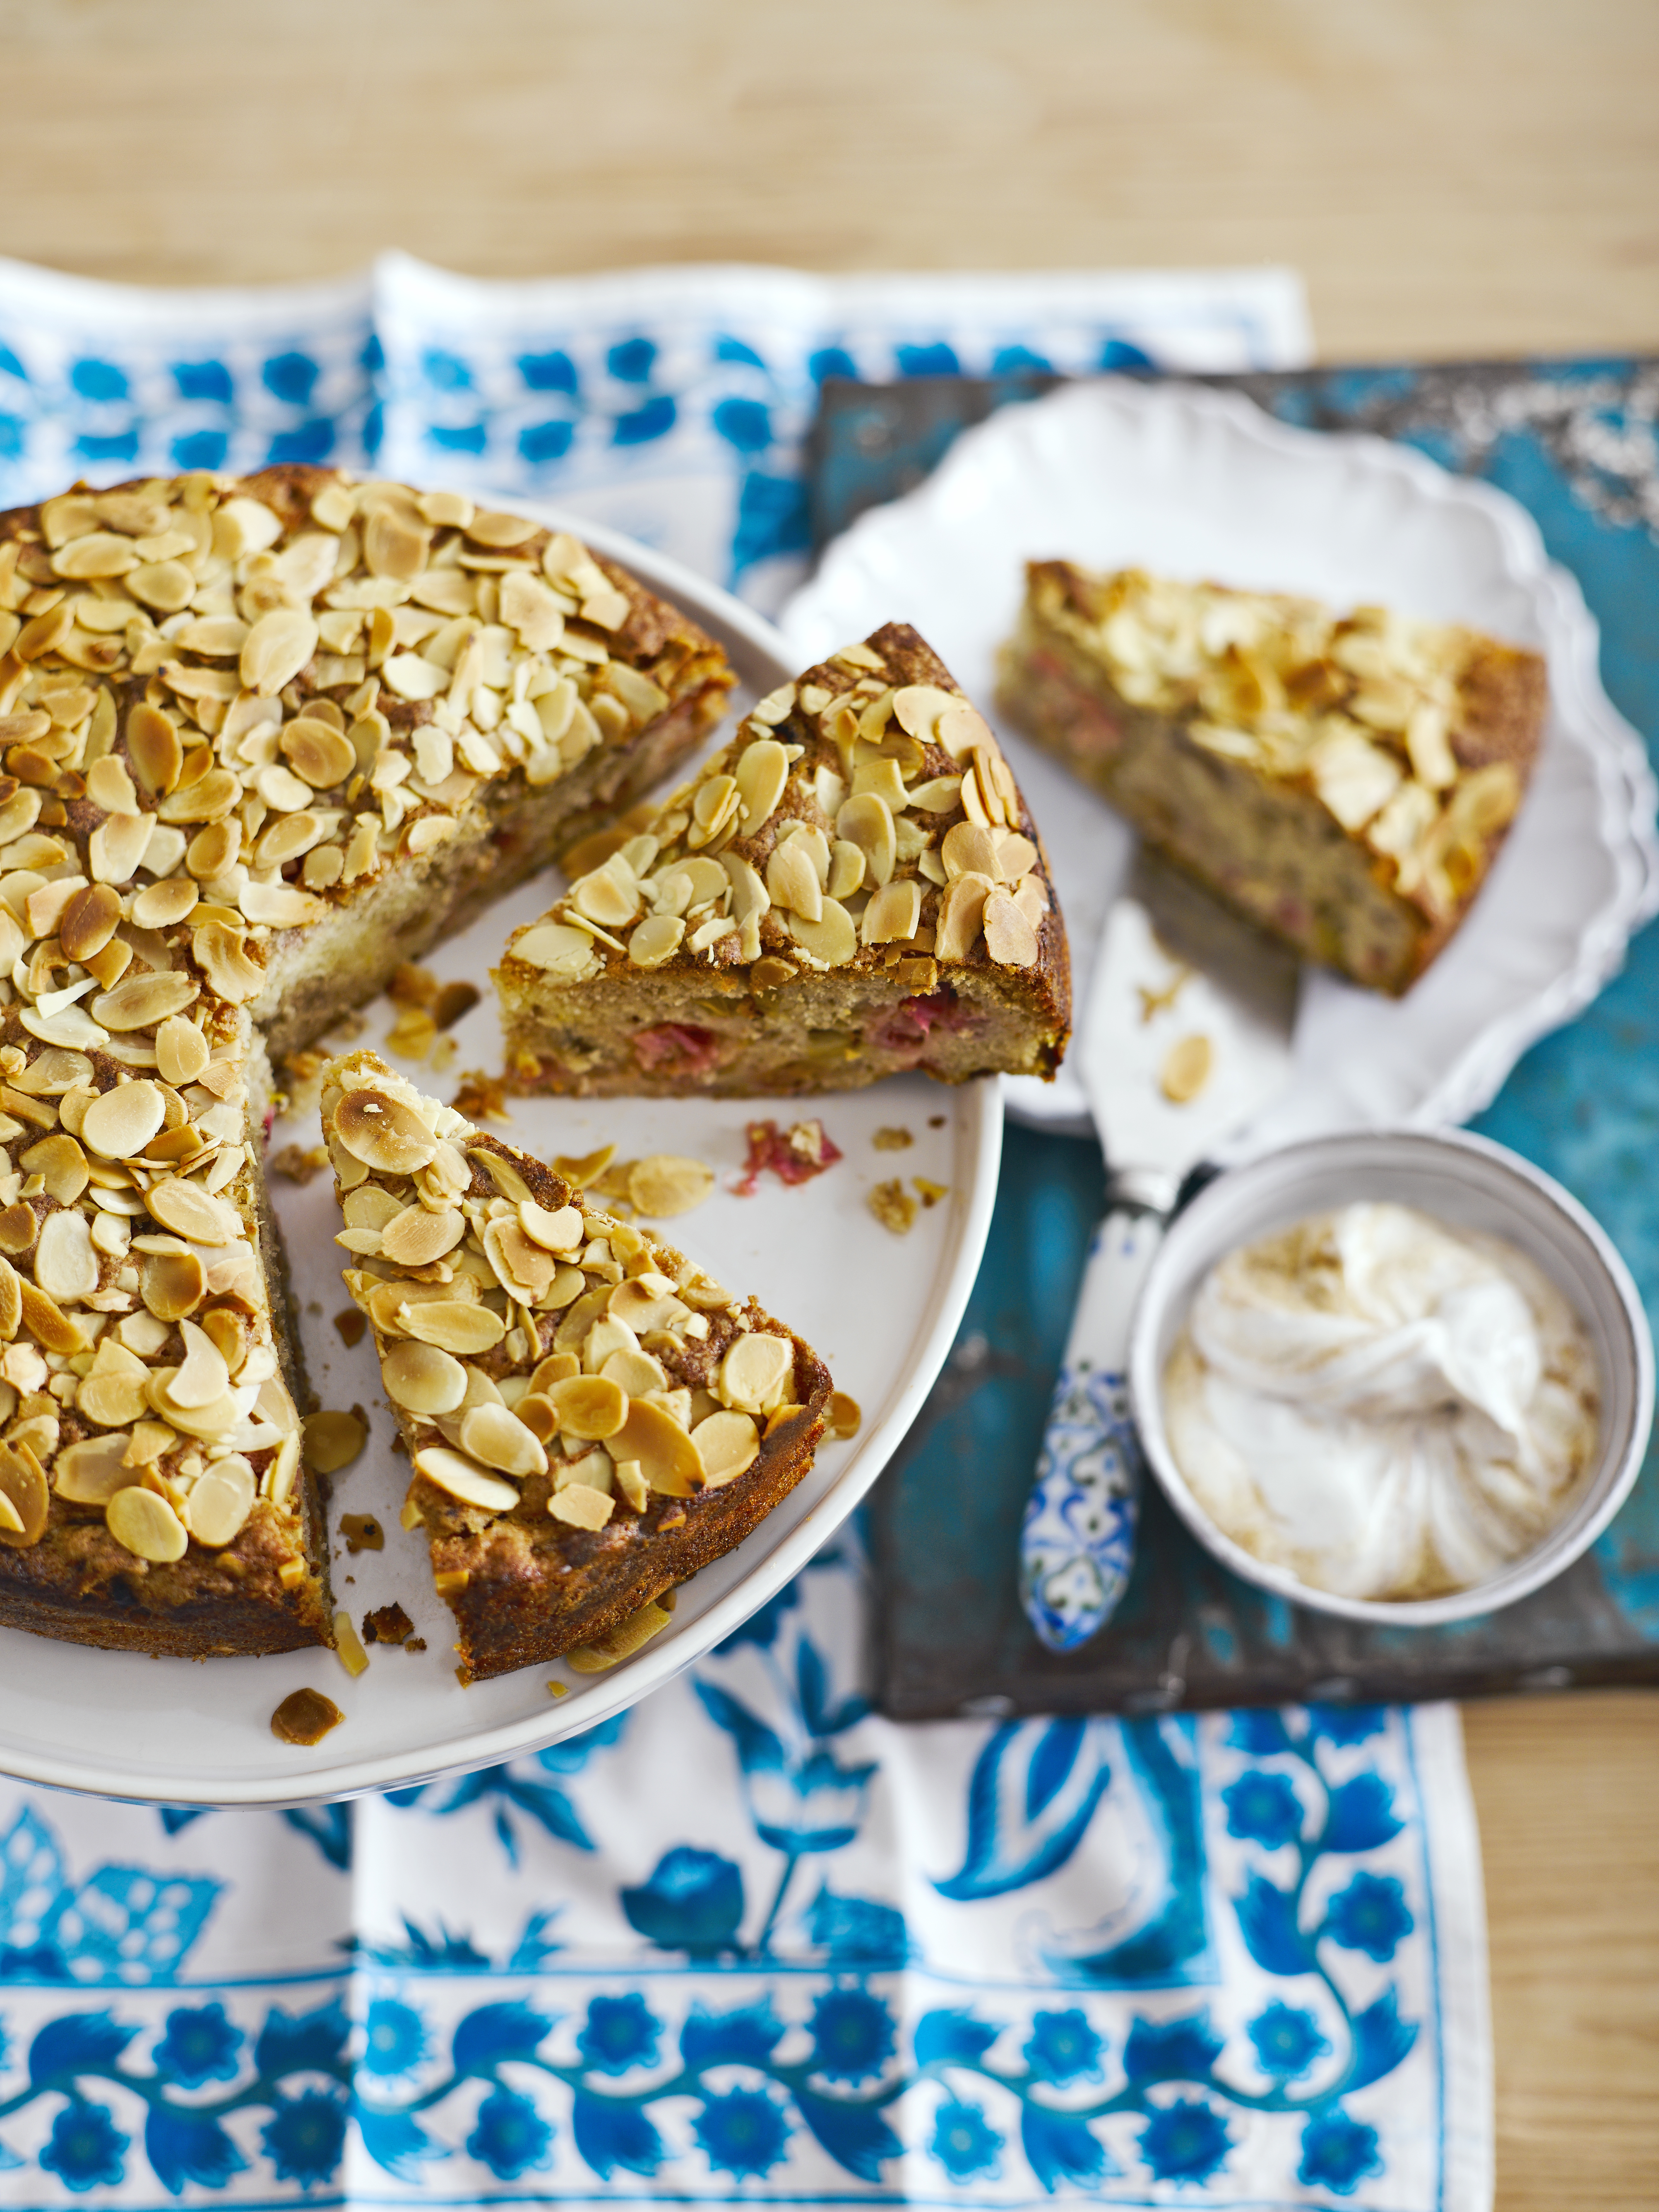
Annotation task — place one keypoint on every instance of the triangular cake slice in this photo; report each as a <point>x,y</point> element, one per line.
<point>855,886</point>
<point>589,1416</point>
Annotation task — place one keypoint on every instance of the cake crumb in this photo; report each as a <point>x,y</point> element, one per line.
<point>363,1533</point>
<point>844,1416</point>
<point>305,1716</point>
<point>412,986</point>
<point>893,1206</point>
<point>413,1035</point>
<point>482,1098</point>
<point>892,1140</point>
<point>794,1155</point>
<point>931,1192</point>
<point>388,1624</point>
<point>299,1163</point>
<point>443,1055</point>
<point>351,1325</point>
<point>936,1121</point>
<point>454,1000</point>
<point>558,1689</point>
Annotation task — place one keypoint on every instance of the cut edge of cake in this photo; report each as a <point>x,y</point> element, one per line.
<point>1345,781</point>
<point>590,1418</point>
<point>853,887</point>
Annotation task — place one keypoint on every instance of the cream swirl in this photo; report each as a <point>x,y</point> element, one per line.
<point>1388,1406</point>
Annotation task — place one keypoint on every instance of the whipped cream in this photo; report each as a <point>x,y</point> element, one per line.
<point>1388,1406</point>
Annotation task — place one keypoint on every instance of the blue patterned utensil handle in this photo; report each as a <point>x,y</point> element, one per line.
<point>1077,1543</point>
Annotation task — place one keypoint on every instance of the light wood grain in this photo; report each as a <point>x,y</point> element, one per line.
<point>1453,177</point>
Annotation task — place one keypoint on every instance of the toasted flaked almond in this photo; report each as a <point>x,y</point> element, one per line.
<point>634,1372</point>
<point>171,1284</point>
<point>91,1472</point>
<point>961,911</point>
<point>320,753</point>
<point>578,1319</point>
<point>792,881</point>
<point>205,800</point>
<point>844,1416</point>
<point>833,941</point>
<point>23,1486</point>
<point>333,1439</point>
<point>560,1231</point>
<point>203,1378</point>
<point>153,749</point>
<point>62,1166</point>
<point>383,1132</point>
<point>139,1002</point>
<point>866,821</point>
<point>46,1320</point>
<point>555,1368</point>
<point>969,849</point>
<point>664,1184</point>
<point>218,1507</point>
<point>729,1444</point>
<point>754,1369</point>
<point>222,953</point>
<point>894,914</point>
<point>500,1440</point>
<point>181,1051</point>
<point>656,940</point>
<point>88,922</point>
<point>589,1406</point>
<point>503,1171</point>
<point>1016,853</point>
<point>146,1525</point>
<point>160,906</point>
<point>119,1123</point>
<point>463,1479</point>
<point>66,1265</point>
<point>110,785</point>
<point>644,1303</point>
<point>393,545</point>
<point>454,1327</point>
<point>415,1238</point>
<point>288,836</point>
<point>579,1507</point>
<point>762,771</point>
<point>277,648</point>
<point>522,1267</point>
<point>192,1212</point>
<point>557,949</point>
<point>422,1379</point>
<point>19,1225</point>
<point>1009,937</point>
<point>113,1394</point>
<point>11,1299</point>
<point>666,1457</point>
<point>213,850</point>
<point>620,1643</point>
<point>165,586</point>
<point>116,847</point>
<point>279,906</point>
<point>1185,1069</point>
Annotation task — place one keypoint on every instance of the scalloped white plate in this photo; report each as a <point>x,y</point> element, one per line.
<point>1193,482</point>
<point>883,1312</point>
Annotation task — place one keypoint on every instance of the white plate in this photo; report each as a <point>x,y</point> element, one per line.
<point>1193,482</point>
<point>882,1311</point>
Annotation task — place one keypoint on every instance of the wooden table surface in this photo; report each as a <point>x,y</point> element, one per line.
<point>1453,178</point>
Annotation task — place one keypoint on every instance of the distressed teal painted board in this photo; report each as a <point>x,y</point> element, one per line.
<point>1574,442</point>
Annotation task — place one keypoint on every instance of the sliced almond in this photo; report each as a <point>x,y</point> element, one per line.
<point>415,1238</point>
<point>46,1320</point>
<point>588,1406</point>
<point>560,951</point>
<point>894,914</point>
<point>454,1327</point>
<point>171,1284</point>
<point>654,942</point>
<point>969,849</point>
<point>161,906</point>
<point>522,1267</point>
<point>792,881</point>
<point>66,1265</point>
<point>23,1486</point>
<point>113,1394</point>
<point>222,954</point>
<point>463,1479</point>
<point>19,1224</point>
<point>277,648</point>
<point>333,1439</point>
<point>117,846</point>
<point>192,1212</point>
<point>91,1472</point>
<point>579,1507</point>
<point>62,1167</point>
<point>138,1002</point>
<point>667,1458</point>
<point>646,1302</point>
<point>203,1378</point>
<point>728,1444</point>
<point>761,773</point>
<point>560,1231</point>
<point>211,852</point>
<point>217,1509</point>
<point>320,753</point>
<point>422,1379</point>
<point>664,1184</point>
<point>500,1440</point>
<point>1185,1069</point>
<point>1009,938</point>
<point>119,1123</point>
<point>961,913</point>
<point>833,941</point>
<point>754,1369</point>
<point>383,1132</point>
<point>146,1525</point>
<point>866,821</point>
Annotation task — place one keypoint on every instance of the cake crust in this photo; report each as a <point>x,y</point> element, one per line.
<point>590,1418</point>
<point>1346,782</point>
<point>854,888</point>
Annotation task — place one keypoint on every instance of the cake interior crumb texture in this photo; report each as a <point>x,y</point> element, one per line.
<point>589,1416</point>
<point>1347,781</point>
<point>853,887</point>
<point>263,740</point>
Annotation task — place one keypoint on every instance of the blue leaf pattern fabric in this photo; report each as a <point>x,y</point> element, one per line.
<point>748,1940</point>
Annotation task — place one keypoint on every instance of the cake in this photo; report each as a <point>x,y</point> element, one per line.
<point>1345,781</point>
<point>264,739</point>
<point>853,887</point>
<point>589,1417</point>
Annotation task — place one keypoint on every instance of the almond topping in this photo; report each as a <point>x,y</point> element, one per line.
<point>171,1284</point>
<point>500,1440</point>
<point>729,1444</point>
<point>181,1051</point>
<point>754,1369</point>
<point>894,914</point>
<point>581,1507</point>
<point>146,1525</point>
<point>62,1167</point>
<point>1009,937</point>
<point>116,847</point>
<point>463,1479</point>
<point>383,1132</point>
<point>217,1508</point>
<point>422,1379</point>
<point>655,941</point>
<point>556,1232</point>
<point>455,1327</point>
<point>318,752</point>
<point>589,1406</point>
<point>161,906</point>
<point>277,648</point>
<point>204,1378</point>
<point>91,1472</point>
<point>66,1265</point>
<point>23,1487</point>
<point>192,1212</point>
<point>667,1458</point>
<point>44,1320</point>
<point>137,1002</point>
<point>961,911</point>
<point>119,1123</point>
<point>415,1238</point>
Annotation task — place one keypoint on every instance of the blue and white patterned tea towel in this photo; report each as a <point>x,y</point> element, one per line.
<point>750,1939</point>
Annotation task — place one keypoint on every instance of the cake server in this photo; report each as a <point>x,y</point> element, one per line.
<point>1186,1037</point>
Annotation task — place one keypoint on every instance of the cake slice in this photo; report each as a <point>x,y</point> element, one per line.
<point>263,739</point>
<point>853,887</point>
<point>1345,781</point>
<point>590,1418</point>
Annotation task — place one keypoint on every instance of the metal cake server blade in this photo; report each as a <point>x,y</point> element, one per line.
<point>1186,1036</point>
